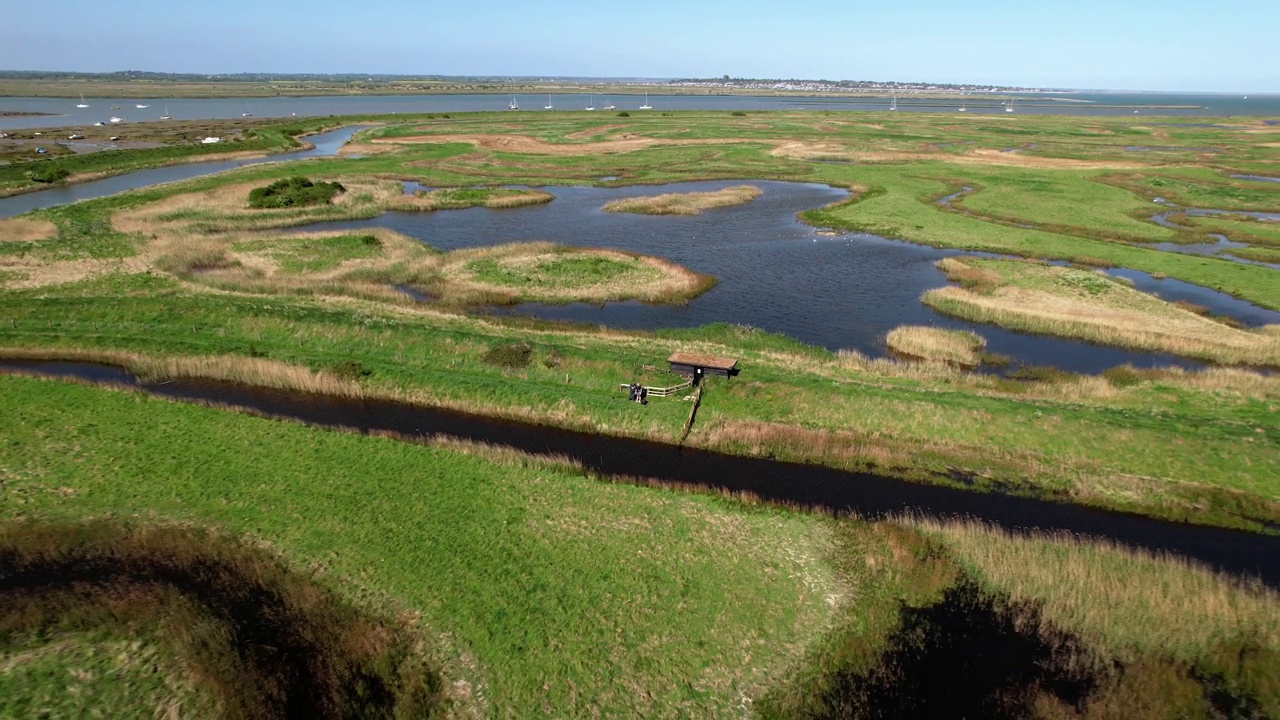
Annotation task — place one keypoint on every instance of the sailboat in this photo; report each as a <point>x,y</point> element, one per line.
<point>610,106</point>
<point>113,120</point>
<point>165,116</point>
<point>963,102</point>
<point>140,106</point>
<point>246,112</point>
<point>548,105</point>
<point>82,104</point>
<point>513,105</point>
<point>894,105</point>
<point>646,105</point>
<point>1009,106</point>
<point>591,105</point>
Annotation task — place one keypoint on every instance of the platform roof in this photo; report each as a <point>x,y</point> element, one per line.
<point>699,360</point>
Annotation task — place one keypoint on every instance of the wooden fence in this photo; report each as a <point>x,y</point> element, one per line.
<point>661,392</point>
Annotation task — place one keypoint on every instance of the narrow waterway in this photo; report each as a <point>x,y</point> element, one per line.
<point>870,496</point>
<point>323,145</point>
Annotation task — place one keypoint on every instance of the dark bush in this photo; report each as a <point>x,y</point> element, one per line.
<point>624,113</point>
<point>738,113</point>
<point>51,174</point>
<point>294,192</point>
<point>1039,373</point>
<point>516,355</point>
<point>349,370</point>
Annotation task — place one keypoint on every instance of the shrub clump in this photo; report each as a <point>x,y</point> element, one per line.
<point>48,175</point>
<point>294,192</point>
<point>350,370</point>
<point>515,355</point>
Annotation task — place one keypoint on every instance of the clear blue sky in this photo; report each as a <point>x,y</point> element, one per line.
<point>1215,45</point>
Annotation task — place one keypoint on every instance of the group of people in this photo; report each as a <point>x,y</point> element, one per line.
<point>638,393</point>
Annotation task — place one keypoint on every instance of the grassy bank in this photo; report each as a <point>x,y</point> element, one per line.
<point>1084,304</point>
<point>550,590</point>
<point>540,590</point>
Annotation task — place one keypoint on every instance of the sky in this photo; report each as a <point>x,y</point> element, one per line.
<point>1174,45</point>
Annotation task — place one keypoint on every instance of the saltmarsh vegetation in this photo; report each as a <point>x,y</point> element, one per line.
<point>691,203</point>
<point>314,302</point>
<point>637,600</point>
<point>923,342</point>
<point>537,589</point>
<point>295,191</point>
<point>179,144</point>
<point>1086,304</point>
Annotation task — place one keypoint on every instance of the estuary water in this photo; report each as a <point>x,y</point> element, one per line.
<point>775,273</point>
<point>64,113</point>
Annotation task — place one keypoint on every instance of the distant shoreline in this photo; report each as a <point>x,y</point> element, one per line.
<point>95,89</point>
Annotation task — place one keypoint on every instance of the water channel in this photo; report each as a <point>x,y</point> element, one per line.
<point>62,112</point>
<point>323,145</point>
<point>871,496</point>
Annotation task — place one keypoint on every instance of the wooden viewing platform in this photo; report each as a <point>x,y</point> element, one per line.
<point>695,365</point>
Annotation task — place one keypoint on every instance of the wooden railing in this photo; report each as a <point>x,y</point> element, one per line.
<point>661,392</point>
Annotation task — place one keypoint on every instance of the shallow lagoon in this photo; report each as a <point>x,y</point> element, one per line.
<point>774,272</point>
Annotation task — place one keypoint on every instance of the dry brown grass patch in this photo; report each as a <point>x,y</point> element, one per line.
<point>523,144</point>
<point>1088,305</point>
<point>692,203</point>
<point>958,347</point>
<point>26,230</point>
<point>803,150</point>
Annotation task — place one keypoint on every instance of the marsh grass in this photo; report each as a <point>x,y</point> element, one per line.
<point>302,254</point>
<point>77,674</point>
<point>462,198</point>
<point>957,347</point>
<point>1126,602</point>
<point>542,272</point>
<point>1080,304</point>
<point>693,203</point>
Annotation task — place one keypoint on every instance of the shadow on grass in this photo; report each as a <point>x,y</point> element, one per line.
<point>265,642</point>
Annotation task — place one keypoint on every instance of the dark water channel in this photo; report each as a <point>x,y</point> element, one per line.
<point>838,491</point>
<point>774,272</point>
<point>325,144</point>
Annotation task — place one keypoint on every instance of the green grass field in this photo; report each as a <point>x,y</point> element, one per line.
<point>541,591</point>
